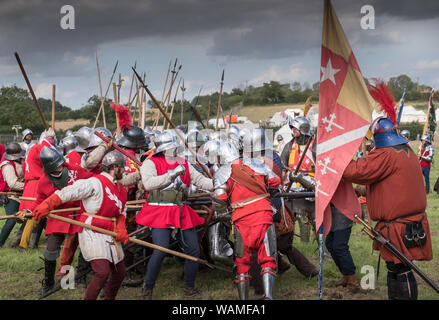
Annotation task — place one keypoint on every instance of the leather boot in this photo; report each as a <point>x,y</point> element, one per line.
<point>352,285</point>
<point>268,277</point>
<point>49,276</point>
<point>303,265</point>
<point>191,293</point>
<point>392,285</point>
<point>342,282</point>
<point>33,242</point>
<point>282,266</point>
<point>146,293</point>
<point>242,281</point>
<point>407,286</point>
<point>14,243</point>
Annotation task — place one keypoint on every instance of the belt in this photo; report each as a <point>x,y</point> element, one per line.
<point>100,217</point>
<point>165,204</point>
<point>240,204</point>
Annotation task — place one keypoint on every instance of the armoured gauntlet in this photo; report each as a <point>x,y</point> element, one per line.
<point>305,181</point>
<point>178,171</point>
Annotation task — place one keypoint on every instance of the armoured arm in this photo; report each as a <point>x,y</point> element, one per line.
<point>150,180</point>
<point>11,178</point>
<point>92,159</point>
<point>200,180</point>
<point>130,179</point>
<point>428,153</point>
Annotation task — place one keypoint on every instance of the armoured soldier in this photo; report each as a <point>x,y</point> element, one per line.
<point>103,199</point>
<point>245,183</point>
<point>166,178</point>
<point>402,220</point>
<point>26,138</point>
<point>57,175</point>
<point>426,157</point>
<point>71,150</point>
<point>95,150</point>
<point>12,179</point>
<point>406,134</point>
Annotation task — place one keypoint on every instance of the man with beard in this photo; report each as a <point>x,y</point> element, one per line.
<point>57,175</point>
<point>103,203</point>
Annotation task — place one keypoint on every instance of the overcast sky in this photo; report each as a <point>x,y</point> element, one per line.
<point>255,41</point>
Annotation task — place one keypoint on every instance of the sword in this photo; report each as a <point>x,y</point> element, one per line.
<point>376,235</point>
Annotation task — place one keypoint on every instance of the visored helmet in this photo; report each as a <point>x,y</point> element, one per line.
<point>385,133</point>
<point>301,123</point>
<point>256,141</point>
<point>195,139</point>
<point>50,159</point>
<point>14,152</point>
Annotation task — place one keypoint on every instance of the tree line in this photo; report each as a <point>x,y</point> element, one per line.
<point>17,107</point>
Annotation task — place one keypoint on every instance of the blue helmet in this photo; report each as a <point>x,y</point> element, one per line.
<point>385,133</point>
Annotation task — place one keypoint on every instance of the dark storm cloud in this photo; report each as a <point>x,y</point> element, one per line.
<point>238,28</point>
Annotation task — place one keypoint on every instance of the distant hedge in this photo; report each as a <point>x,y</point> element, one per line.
<point>415,128</point>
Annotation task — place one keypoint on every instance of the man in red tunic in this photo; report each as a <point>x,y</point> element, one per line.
<point>57,175</point>
<point>33,171</point>
<point>166,178</point>
<point>396,198</point>
<point>103,203</point>
<point>245,183</point>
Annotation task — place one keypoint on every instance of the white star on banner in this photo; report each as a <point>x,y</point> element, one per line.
<point>328,72</point>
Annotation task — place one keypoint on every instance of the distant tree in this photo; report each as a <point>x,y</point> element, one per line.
<point>296,86</point>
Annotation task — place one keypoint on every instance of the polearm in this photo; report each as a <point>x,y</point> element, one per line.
<point>401,106</point>
<point>31,91</point>
<point>290,183</point>
<point>156,122</point>
<point>183,89</point>
<point>131,89</point>
<point>377,236</point>
<point>174,102</point>
<point>107,140</point>
<point>208,114</point>
<point>168,96</point>
<point>137,241</point>
<point>101,108</point>
<point>172,124</point>
<point>53,106</point>
<point>100,91</point>
<point>164,101</point>
<point>219,101</point>
<point>194,110</point>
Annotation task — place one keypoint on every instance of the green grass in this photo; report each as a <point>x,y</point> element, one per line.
<point>20,278</point>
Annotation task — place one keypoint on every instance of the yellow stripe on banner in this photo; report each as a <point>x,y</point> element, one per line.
<point>333,36</point>
<point>355,96</point>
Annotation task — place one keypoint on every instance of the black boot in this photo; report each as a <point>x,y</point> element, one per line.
<point>392,285</point>
<point>83,269</point>
<point>408,287</point>
<point>49,276</point>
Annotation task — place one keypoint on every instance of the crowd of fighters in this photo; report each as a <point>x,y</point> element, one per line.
<point>230,217</point>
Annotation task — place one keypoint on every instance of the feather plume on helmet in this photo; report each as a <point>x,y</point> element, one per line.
<point>123,115</point>
<point>382,94</point>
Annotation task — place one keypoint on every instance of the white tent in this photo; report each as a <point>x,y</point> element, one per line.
<point>409,114</point>
<point>285,132</point>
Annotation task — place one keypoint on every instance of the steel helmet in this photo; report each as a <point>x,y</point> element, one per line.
<point>68,144</point>
<point>133,138</point>
<point>166,140</point>
<point>301,123</point>
<point>95,140</point>
<point>50,159</point>
<point>385,133</point>
<point>14,152</point>
<point>426,138</point>
<point>256,141</point>
<point>217,152</point>
<point>113,158</point>
<point>405,134</point>
<point>83,136</point>
<point>25,133</point>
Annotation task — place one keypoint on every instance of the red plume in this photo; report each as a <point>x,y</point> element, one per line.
<point>123,115</point>
<point>381,93</point>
